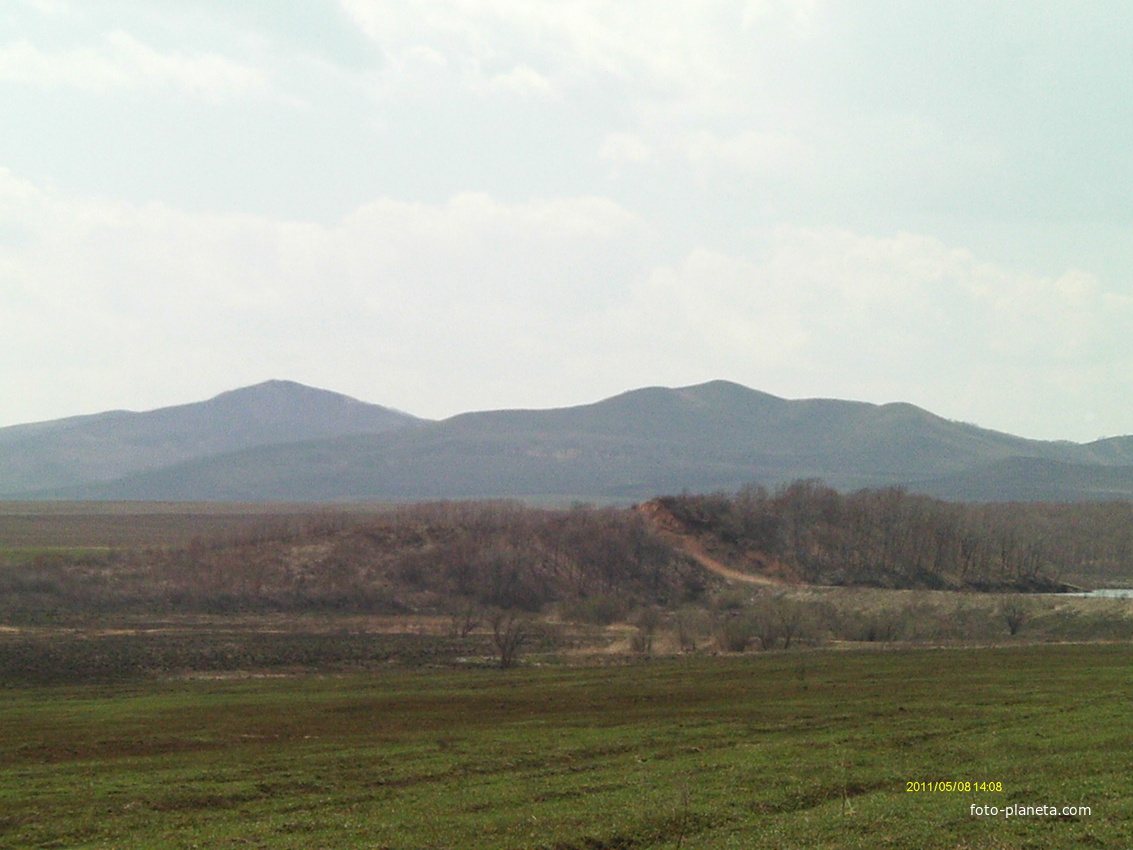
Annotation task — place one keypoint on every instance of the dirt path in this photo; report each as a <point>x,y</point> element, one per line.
<point>666,527</point>
<point>694,550</point>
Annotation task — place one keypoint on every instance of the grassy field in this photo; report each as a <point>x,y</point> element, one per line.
<point>795,749</point>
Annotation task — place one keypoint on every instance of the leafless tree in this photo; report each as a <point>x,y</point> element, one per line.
<point>510,632</point>
<point>646,621</point>
<point>1014,613</point>
<point>464,617</point>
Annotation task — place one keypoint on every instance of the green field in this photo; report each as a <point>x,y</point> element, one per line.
<point>794,749</point>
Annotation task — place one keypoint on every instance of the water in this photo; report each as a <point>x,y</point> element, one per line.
<point>1105,593</point>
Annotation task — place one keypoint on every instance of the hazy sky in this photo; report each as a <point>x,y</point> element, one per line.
<point>448,205</point>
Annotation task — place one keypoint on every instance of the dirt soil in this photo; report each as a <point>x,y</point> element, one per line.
<point>673,532</point>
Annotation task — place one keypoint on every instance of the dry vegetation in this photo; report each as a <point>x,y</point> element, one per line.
<point>411,559</point>
<point>206,588</point>
<point>892,538</point>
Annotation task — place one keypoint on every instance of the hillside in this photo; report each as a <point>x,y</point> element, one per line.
<point>713,436</point>
<point>1019,479</point>
<point>807,533</point>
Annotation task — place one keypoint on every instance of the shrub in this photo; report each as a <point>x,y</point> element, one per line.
<point>599,610</point>
<point>734,634</point>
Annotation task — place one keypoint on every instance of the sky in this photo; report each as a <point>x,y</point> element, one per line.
<point>453,205</point>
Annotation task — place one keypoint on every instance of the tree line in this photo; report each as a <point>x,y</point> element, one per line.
<point>893,538</point>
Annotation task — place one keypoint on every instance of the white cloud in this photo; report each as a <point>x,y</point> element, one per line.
<point>476,303</point>
<point>649,46</point>
<point>47,7</point>
<point>625,148</point>
<point>798,16</point>
<point>522,80</point>
<point>872,113</point>
<point>829,312</point>
<point>123,62</point>
<point>750,152</point>
<point>670,69</point>
<point>431,307</point>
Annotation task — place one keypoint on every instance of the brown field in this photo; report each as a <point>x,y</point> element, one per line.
<point>93,525</point>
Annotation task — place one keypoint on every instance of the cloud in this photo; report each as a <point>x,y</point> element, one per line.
<point>47,7</point>
<point>830,312</point>
<point>625,148</point>
<point>750,152</point>
<point>671,71</point>
<point>123,62</point>
<point>475,302</point>
<point>522,80</point>
<point>867,110</point>
<point>832,298</point>
<point>664,48</point>
<point>431,307</point>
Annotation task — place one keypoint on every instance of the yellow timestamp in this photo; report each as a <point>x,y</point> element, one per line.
<point>961,787</point>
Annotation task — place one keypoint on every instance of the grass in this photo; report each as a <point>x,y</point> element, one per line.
<point>806,749</point>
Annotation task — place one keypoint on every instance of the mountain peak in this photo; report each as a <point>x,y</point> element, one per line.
<point>278,388</point>
<point>103,447</point>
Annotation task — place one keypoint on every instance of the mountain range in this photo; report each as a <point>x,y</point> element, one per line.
<point>282,441</point>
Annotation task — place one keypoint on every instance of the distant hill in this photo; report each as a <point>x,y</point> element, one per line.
<point>713,436</point>
<point>1032,479</point>
<point>84,450</point>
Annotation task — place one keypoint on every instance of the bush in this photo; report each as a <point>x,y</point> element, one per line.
<point>600,610</point>
<point>735,633</point>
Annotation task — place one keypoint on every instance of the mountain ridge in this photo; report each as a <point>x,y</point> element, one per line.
<point>283,441</point>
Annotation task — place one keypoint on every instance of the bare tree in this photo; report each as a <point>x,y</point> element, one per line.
<point>685,636</point>
<point>647,621</point>
<point>464,617</point>
<point>791,621</point>
<point>510,632</point>
<point>1014,613</point>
